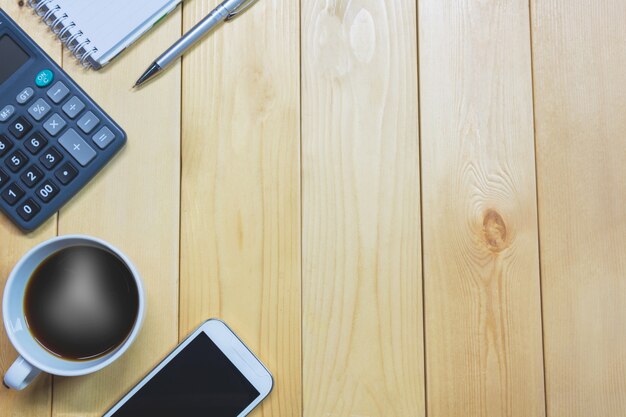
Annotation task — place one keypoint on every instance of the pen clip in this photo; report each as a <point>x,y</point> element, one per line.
<point>239,10</point>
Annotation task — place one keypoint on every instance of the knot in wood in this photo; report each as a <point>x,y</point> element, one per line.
<point>494,231</point>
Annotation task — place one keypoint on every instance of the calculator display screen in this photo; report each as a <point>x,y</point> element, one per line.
<point>12,57</point>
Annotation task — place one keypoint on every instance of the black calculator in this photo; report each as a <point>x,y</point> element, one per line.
<point>53,138</point>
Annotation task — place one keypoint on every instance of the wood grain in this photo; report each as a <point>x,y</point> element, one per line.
<point>134,204</point>
<point>481,266</point>
<point>580,95</point>
<point>240,229</point>
<point>362,300</point>
<point>35,401</point>
<point>324,280</point>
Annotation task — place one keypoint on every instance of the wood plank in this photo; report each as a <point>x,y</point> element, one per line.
<point>34,401</point>
<point>240,244</point>
<point>481,266</point>
<point>362,299</point>
<point>579,57</point>
<point>134,204</point>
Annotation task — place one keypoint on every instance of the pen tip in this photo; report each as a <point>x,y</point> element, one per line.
<point>148,75</point>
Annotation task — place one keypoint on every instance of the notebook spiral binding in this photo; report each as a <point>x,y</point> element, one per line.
<point>65,29</point>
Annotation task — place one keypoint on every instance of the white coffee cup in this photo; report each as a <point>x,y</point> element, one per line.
<point>34,358</point>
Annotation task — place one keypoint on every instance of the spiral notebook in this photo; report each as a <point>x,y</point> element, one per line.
<point>96,31</point>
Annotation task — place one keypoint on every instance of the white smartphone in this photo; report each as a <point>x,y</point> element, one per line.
<point>211,373</point>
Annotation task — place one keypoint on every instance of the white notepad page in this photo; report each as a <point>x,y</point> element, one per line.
<point>111,25</point>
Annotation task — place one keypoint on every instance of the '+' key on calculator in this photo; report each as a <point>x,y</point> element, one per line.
<point>53,137</point>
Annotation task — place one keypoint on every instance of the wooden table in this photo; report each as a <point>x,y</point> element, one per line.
<point>394,232</point>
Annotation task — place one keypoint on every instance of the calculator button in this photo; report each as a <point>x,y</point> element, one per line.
<point>55,124</point>
<point>5,145</point>
<point>65,174</point>
<point>39,109</point>
<point>58,92</point>
<point>12,194</point>
<point>4,178</point>
<point>28,209</point>
<point>32,176</point>
<point>16,161</point>
<point>77,147</point>
<point>36,143</point>
<point>47,191</point>
<point>51,158</point>
<point>88,122</point>
<point>25,95</point>
<point>103,138</point>
<point>73,107</point>
<point>44,78</point>
<point>20,127</point>
<point>6,113</point>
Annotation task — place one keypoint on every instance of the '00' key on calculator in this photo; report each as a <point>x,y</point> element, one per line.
<point>53,138</point>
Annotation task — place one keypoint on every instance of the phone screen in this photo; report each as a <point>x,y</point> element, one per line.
<point>198,382</point>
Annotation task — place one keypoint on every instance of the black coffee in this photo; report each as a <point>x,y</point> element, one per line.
<point>81,303</point>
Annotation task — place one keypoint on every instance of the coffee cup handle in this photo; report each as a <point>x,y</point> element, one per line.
<point>20,374</point>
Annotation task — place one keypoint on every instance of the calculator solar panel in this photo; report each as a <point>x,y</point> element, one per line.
<point>53,138</point>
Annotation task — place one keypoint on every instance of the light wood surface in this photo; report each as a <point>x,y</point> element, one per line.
<point>356,187</point>
<point>240,228</point>
<point>580,95</point>
<point>481,269</point>
<point>362,300</point>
